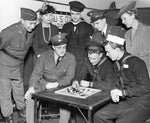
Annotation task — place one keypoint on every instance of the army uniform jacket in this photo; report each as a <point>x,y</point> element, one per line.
<point>39,45</point>
<point>46,67</point>
<point>13,39</point>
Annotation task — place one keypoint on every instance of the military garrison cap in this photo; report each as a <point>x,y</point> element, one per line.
<point>126,8</point>
<point>59,39</point>
<point>28,14</point>
<point>95,15</point>
<point>76,6</point>
<point>116,35</point>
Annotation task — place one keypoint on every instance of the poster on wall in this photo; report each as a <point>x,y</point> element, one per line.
<point>60,18</point>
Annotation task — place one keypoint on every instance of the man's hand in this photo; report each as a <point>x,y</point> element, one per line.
<point>115,94</point>
<point>75,84</point>
<point>51,85</point>
<point>84,83</point>
<point>29,92</point>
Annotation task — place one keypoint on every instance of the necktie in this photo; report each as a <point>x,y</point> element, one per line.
<point>58,60</point>
<point>103,34</point>
<point>26,35</point>
<point>94,73</point>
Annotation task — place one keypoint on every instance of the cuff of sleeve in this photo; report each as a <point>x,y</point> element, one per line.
<point>124,93</point>
<point>59,84</point>
<point>91,84</point>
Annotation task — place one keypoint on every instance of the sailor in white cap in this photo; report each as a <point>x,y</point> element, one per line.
<point>131,94</point>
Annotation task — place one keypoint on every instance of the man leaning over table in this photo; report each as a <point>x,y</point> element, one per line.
<point>97,66</point>
<point>48,73</point>
<point>98,69</point>
<point>15,41</point>
<point>131,98</point>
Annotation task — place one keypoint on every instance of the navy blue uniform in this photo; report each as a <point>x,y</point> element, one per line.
<point>77,39</point>
<point>102,74</point>
<point>135,108</point>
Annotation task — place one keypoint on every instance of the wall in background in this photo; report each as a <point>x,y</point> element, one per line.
<point>10,9</point>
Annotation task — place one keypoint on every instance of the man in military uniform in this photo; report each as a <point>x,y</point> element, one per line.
<point>99,21</point>
<point>98,67</point>
<point>131,97</point>
<point>14,44</point>
<point>78,31</point>
<point>53,68</point>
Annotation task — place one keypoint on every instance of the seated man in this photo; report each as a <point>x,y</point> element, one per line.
<point>131,97</point>
<point>98,69</point>
<point>97,65</point>
<point>51,73</point>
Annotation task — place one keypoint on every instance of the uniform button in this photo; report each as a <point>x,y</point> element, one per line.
<point>5,63</point>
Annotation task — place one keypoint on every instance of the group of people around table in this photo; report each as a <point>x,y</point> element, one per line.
<point>106,57</point>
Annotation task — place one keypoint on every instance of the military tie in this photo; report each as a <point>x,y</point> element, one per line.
<point>26,36</point>
<point>58,60</point>
<point>103,34</point>
<point>95,73</point>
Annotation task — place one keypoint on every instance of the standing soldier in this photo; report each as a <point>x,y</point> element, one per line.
<point>14,44</point>
<point>99,21</point>
<point>78,31</point>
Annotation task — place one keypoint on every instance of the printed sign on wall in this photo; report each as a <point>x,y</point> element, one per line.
<point>60,18</point>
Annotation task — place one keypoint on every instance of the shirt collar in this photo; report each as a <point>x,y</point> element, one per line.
<point>104,30</point>
<point>124,55</point>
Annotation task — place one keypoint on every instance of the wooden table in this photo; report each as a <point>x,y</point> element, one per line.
<point>89,103</point>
